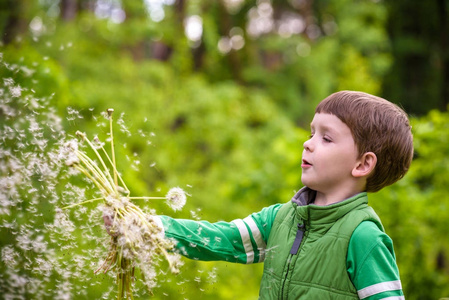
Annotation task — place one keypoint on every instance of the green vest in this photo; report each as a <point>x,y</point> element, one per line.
<point>318,269</point>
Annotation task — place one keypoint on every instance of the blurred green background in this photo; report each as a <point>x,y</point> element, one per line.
<point>214,97</point>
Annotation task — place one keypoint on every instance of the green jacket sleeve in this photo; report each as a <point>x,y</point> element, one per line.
<point>372,265</point>
<point>241,240</point>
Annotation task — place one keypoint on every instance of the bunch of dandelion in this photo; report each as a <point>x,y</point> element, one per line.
<point>136,240</point>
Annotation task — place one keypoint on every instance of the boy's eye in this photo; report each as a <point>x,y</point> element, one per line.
<point>327,140</point>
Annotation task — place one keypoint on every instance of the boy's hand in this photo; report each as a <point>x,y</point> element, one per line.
<point>109,224</point>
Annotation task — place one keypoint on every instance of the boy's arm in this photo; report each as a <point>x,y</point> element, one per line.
<point>242,241</point>
<point>372,265</point>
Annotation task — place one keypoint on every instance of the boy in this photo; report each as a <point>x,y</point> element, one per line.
<point>326,243</point>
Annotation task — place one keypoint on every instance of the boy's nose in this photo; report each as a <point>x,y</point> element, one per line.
<point>308,145</point>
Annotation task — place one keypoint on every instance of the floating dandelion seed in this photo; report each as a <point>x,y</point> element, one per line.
<point>30,170</point>
<point>69,151</point>
<point>176,198</point>
<point>15,91</point>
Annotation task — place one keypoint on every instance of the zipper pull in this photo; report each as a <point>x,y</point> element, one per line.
<point>298,239</point>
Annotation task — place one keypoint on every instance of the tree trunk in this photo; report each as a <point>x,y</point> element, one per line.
<point>15,23</point>
<point>69,9</point>
<point>444,53</point>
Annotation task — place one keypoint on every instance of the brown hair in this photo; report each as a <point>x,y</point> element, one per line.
<point>377,126</point>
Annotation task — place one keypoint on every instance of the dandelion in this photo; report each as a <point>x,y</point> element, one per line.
<point>176,198</point>
<point>136,238</point>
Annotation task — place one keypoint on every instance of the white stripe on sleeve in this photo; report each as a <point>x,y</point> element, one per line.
<point>379,288</point>
<point>246,240</point>
<point>257,237</point>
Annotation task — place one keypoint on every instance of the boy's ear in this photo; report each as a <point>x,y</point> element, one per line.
<point>365,165</point>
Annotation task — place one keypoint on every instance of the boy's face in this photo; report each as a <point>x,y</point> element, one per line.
<point>329,156</point>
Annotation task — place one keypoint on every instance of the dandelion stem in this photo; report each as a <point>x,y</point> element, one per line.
<point>105,174</point>
<point>111,259</point>
<point>166,255</point>
<point>120,275</point>
<point>84,202</point>
<point>99,186</point>
<point>147,198</point>
<point>110,111</point>
<point>101,161</point>
<point>125,212</point>
<point>115,171</point>
<point>95,170</point>
<point>119,213</point>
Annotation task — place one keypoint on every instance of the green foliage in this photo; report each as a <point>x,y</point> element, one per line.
<point>230,133</point>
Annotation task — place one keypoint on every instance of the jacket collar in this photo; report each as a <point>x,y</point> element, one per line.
<point>302,202</point>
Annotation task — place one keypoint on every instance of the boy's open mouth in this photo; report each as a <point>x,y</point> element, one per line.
<point>305,163</point>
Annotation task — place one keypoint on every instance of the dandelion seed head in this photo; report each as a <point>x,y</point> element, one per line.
<point>112,201</point>
<point>110,111</point>
<point>122,190</point>
<point>176,198</point>
<point>80,134</point>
